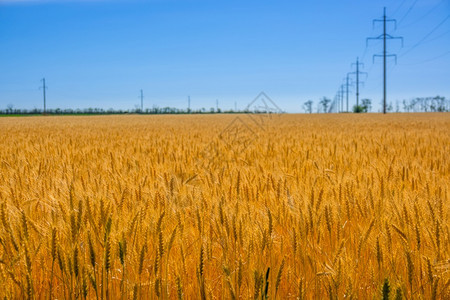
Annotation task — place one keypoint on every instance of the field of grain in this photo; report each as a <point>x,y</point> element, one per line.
<point>225,207</point>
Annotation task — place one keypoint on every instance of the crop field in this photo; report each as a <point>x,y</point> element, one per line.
<point>225,207</point>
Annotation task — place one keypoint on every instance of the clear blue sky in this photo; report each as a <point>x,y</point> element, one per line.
<point>101,53</point>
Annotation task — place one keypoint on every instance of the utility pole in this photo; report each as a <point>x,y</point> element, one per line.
<point>384,37</point>
<point>189,104</point>
<point>357,64</point>
<point>44,87</point>
<point>142,101</point>
<point>217,105</point>
<point>339,100</point>
<point>341,96</point>
<point>235,106</point>
<point>346,84</point>
<point>336,102</point>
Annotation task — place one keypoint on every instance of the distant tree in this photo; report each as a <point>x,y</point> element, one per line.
<point>405,105</point>
<point>308,106</point>
<point>389,107</point>
<point>9,108</point>
<point>397,106</point>
<point>358,109</point>
<point>324,103</point>
<point>366,105</point>
<point>439,104</point>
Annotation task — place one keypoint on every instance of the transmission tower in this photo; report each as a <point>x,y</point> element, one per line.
<point>346,89</point>
<point>341,96</point>
<point>384,36</point>
<point>335,104</point>
<point>189,104</point>
<point>337,98</point>
<point>357,73</point>
<point>44,88</point>
<point>142,101</point>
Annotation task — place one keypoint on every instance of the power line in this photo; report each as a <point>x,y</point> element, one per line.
<point>334,106</point>
<point>398,8</point>
<point>364,54</point>
<point>384,37</point>
<point>365,48</point>
<point>428,60</point>
<point>425,37</point>
<point>407,13</point>
<point>424,15</point>
<point>379,81</point>
<point>439,36</point>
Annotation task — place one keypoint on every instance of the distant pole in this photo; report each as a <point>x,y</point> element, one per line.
<point>338,95</point>
<point>217,104</point>
<point>44,87</point>
<point>347,91</point>
<point>336,103</point>
<point>357,81</point>
<point>357,73</point>
<point>189,103</point>
<point>142,101</point>
<point>339,100</point>
<point>235,106</point>
<point>384,60</point>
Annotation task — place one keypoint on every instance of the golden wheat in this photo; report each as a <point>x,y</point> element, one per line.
<point>225,206</point>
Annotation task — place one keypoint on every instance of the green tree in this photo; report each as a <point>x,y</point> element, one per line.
<point>308,106</point>
<point>366,105</point>
<point>324,102</point>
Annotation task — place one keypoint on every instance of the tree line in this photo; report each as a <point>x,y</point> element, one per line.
<point>10,110</point>
<point>324,105</point>
<point>417,104</point>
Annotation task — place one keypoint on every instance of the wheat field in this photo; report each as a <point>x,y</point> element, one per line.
<point>225,207</point>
